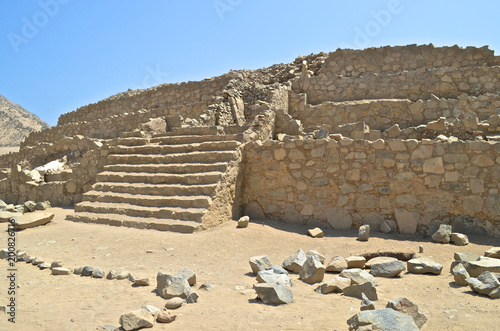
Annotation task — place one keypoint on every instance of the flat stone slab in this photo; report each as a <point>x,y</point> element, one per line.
<point>476,268</point>
<point>32,220</point>
<point>5,216</point>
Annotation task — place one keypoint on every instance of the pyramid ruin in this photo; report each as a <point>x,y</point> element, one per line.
<point>401,138</point>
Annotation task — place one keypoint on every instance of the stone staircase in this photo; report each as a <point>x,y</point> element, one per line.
<point>168,182</point>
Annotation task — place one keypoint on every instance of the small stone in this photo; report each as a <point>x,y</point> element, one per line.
<point>356,290</point>
<point>366,304</point>
<point>407,307</point>
<point>30,206</point>
<point>142,282</point>
<point>60,271</point>
<point>460,275</point>
<point>322,133</point>
<point>87,271</point>
<point>187,274</point>
<point>37,260</point>
<point>423,265</point>
<point>207,287</point>
<point>270,277</point>
<point>336,264</point>
<point>55,264</point>
<point>174,303</point>
<point>123,275</point>
<point>258,263</point>
<point>312,271</point>
<point>192,298</point>
<point>243,222</point>
<point>459,239</point>
<point>42,205</point>
<point>420,249</point>
<point>152,309</point>
<point>108,327</point>
<point>112,274</point>
<point>273,293</point>
<point>172,286</point>
<point>443,235</point>
<point>131,278</point>
<point>43,266</point>
<point>336,284</point>
<point>78,271</point>
<point>358,276</point>
<point>137,319</point>
<point>316,233</point>
<point>364,233</point>
<point>98,273</point>
<point>165,317</point>
<point>320,256</point>
<point>355,262</point>
<point>295,261</point>
<point>4,253</point>
<point>493,252</point>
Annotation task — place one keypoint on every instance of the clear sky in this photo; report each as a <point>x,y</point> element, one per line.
<point>57,55</point>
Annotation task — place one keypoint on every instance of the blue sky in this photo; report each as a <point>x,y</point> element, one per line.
<point>57,55</point>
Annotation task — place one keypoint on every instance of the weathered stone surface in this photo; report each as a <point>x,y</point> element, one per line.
<point>165,317</point>
<point>174,303</point>
<point>274,294</point>
<point>295,261</point>
<point>358,276</point>
<point>187,274</point>
<point>381,319</point>
<point>32,220</point>
<point>336,264</point>
<point>192,298</point>
<point>152,309</point>
<point>407,221</point>
<point>378,259</point>
<point>486,284</point>
<point>112,274</point>
<point>43,266</point>
<point>355,262</point>
<point>169,286</point>
<point>320,256</point>
<point>30,206</point>
<point>466,256</point>
<point>338,219</point>
<point>141,282</point>
<point>459,239</point>
<point>279,270</point>
<point>258,263</point>
<point>4,253</point>
<point>87,271</point>
<point>460,275</point>
<point>387,269</point>
<point>98,273</point>
<point>60,271</point>
<point>78,270</point>
<point>493,252</point>
<point>476,268</point>
<point>137,319</point>
<point>312,271</point>
<point>243,222</point>
<point>407,307</point>
<point>385,227</point>
<point>364,233</point>
<point>366,304</point>
<point>123,275</point>
<point>336,284</point>
<point>356,290</point>
<point>56,264</point>
<point>423,265</point>
<point>443,235</point>
<point>270,277</point>
<point>316,233</point>
<point>42,205</point>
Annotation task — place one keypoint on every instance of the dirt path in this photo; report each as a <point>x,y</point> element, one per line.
<point>220,257</point>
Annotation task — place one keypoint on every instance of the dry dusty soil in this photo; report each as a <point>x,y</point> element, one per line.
<point>220,257</point>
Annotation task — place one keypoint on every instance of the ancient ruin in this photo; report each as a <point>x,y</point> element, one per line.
<point>399,138</point>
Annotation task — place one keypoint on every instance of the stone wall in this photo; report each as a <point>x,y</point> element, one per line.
<point>162,96</point>
<point>411,184</point>
<point>349,62</point>
<point>381,114</point>
<point>419,84</point>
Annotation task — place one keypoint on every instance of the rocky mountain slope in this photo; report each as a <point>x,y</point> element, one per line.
<point>16,123</point>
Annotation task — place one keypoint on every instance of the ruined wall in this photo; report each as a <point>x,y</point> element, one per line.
<point>349,62</point>
<point>414,85</point>
<point>382,114</point>
<point>411,184</point>
<point>162,96</point>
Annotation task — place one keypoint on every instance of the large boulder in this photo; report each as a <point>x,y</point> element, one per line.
<point>460,275</point>
<point>187,274</point>
<point>312,271</point>
<point>382,319</point>
<point>137,319</point>
<point>295,261</point>
<point>336,264</point>
<point>424,265</point>
<point>387,269</point>
<point>409,308</point>
<point>459,239</point>
<point>487,284</point>
<point>258,263</point>
<point>320,256</point>
<point>271,277</point>
<point>169,286</point>
<point>274,294</point>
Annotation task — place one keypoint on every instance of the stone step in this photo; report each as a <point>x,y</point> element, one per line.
<point>179,148</point>
<point>160,178</point>
<point>173,225</point>
<point>168,168</point>
<point>196,201</point>
<point>196,130</point>
<point>190,157</point>
<point>190,139</point>
<point>189,214</point>
<point>131,141</point>
<point>155,189</point>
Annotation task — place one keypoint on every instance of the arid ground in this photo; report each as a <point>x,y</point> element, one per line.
<point>220,257</point>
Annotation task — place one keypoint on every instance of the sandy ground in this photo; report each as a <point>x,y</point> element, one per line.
<point>7,150</point>
<point>220,257</point>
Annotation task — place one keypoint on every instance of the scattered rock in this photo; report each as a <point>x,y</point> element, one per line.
<point>4,253</point>
<point>355,262</point>
<point>358,276</point>
<point>60,271</point>
<point>279,270</point>
<point>123,275</point>
<point>192,298</point>
<point>243,222</point>
<point>336,284</point>
<point>97,273</point>
<point>37,260</point>
<point>56,264</point>
<point>316,233</point>
<point>423,265</point>
<point>137,319</point>
<point>486,284</point>
<point>42,205</point>
<point>476,268</point>
<point>108,327</point>
<point>366,304</point>
<point>493,252</point>
<point>466,256</point>
<point>270,277</point>
<point>312,271</point>
<point>388,268</point>
<point>174,303</point>
<point>78,271</point>
<point>187,274</point>
<point>258,263</point>
<point>378,259</point>
<point>172,286</point>
<point>43,266</point>
<point>207,287</point>
<point>356,290</point>
<point>112,274</point>
<point>443,235</point>
<point>381,319</point>
<point>407,307</point>
<point>273,293</point>
<point>152,309</point>
<point>32,220</point>
<point>320,256</point>
<point>30,206</point>
<point>336,264</point>
<point>420,249</point>
<point>295,261</point>
<point>165,317</point>
<point>364,233</point>
<point>142,282</point>
<point>459,239</point>
<point>460,275</point>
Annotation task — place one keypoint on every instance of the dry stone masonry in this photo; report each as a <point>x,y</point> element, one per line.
<point>402,139</point>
